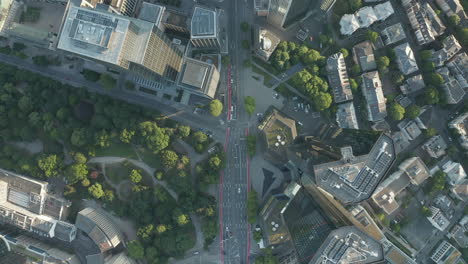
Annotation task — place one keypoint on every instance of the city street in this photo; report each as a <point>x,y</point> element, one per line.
<point>235,182</point>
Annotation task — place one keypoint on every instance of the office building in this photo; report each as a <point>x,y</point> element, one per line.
<point>354,178</point>
<point>204,28</point>
<point>121,43</point>
<point>25,204</point>
<point>393,34</point>
<point>199,77</point>
<point>284,13</point>
<point>446,253</point>
<point>123,7</point>
<point>435,146</point>
<point>348,244</point>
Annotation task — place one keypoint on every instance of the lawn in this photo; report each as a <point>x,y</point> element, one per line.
<point>117,149</point>
<point>149,158</point>
<point>118,172</point>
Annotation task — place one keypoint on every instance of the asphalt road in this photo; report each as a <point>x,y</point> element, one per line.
<point>235,184</point>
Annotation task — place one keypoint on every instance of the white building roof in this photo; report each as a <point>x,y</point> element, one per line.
<point>405,59</point>
<point>204,23</point>
<point>384,10</point>
<point>349,24</point>
<point>366,16</point>
<point>455,172</point>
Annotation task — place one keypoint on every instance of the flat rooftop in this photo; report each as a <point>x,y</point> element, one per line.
<point>348,245</point>
<point>204,23</point>
<point>151,13</point>
<point>101,35</point>
<point>354,179</point>
<point>196,73</point>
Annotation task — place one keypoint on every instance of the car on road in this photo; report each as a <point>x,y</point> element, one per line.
<point>238,190</point>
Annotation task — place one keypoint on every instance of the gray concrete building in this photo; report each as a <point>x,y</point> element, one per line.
<point>204,28</point>
<point>199,77</point>
<point>405,59</point>
<point>354,178</point>
<point>121,43</point>
<point>376,103</point>
<point>338,78</point>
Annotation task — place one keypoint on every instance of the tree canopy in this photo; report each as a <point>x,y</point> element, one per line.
<point>96,190</point>
<point>412,111</point>
<point>169,158</point>
<point>372,36</point>
<point>216,107</point>
<point>249,103</point>
<point>396,111</point>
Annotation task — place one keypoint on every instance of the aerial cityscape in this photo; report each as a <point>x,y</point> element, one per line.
<point>233,132</point>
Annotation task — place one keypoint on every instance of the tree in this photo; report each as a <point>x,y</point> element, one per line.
<point>430,132</point>
<point>412,111</point>
<point>49,165</point>
<point>135,176</point>
<point>438,181</point>
<point>354,5</point>
<point>145,232</point>
<point>322,101</point>
<point>355,69</point>
<point>225,60</point>
<point>216,107</point>
<point>454,20</point>
<point>396,111</point>
<point>426,211</point>
<point>382,63</point>
<point>372,36</point>
<point>41,60</point>
<point>102,139</point>
<point>183,131</point>
<point>462,34</point>
<point>154,137</point>
<point>266,258</point>
<point>244,26</point>
<point>85,182</point>
<point>249,103</point>
<point>160,193</point>
<point>109,195</point>
<point>215,163</point>
<point>161,229</point>
<point>252,206</point>
<point>251,145</point>
<point>96,191</point>
<point>431,95</point>
<point>436,79</point>
<point>345,52</point>
<point>169,158</point>
<point>91,75</point>
<point>79,137</point>
<point>425,55</point>
<point>245,44</point>
<point>25,104</point>
<point>200,137</point>
<point>79,157</point>
<point>354,85</point>
<point>312,56</point>
<point>135,249</point>
<point>397,78</point>
<point>76,172</point>
<point>126,135</point>
<point>129,85</point>
<point>107,81</point>
<point>180,218</point>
